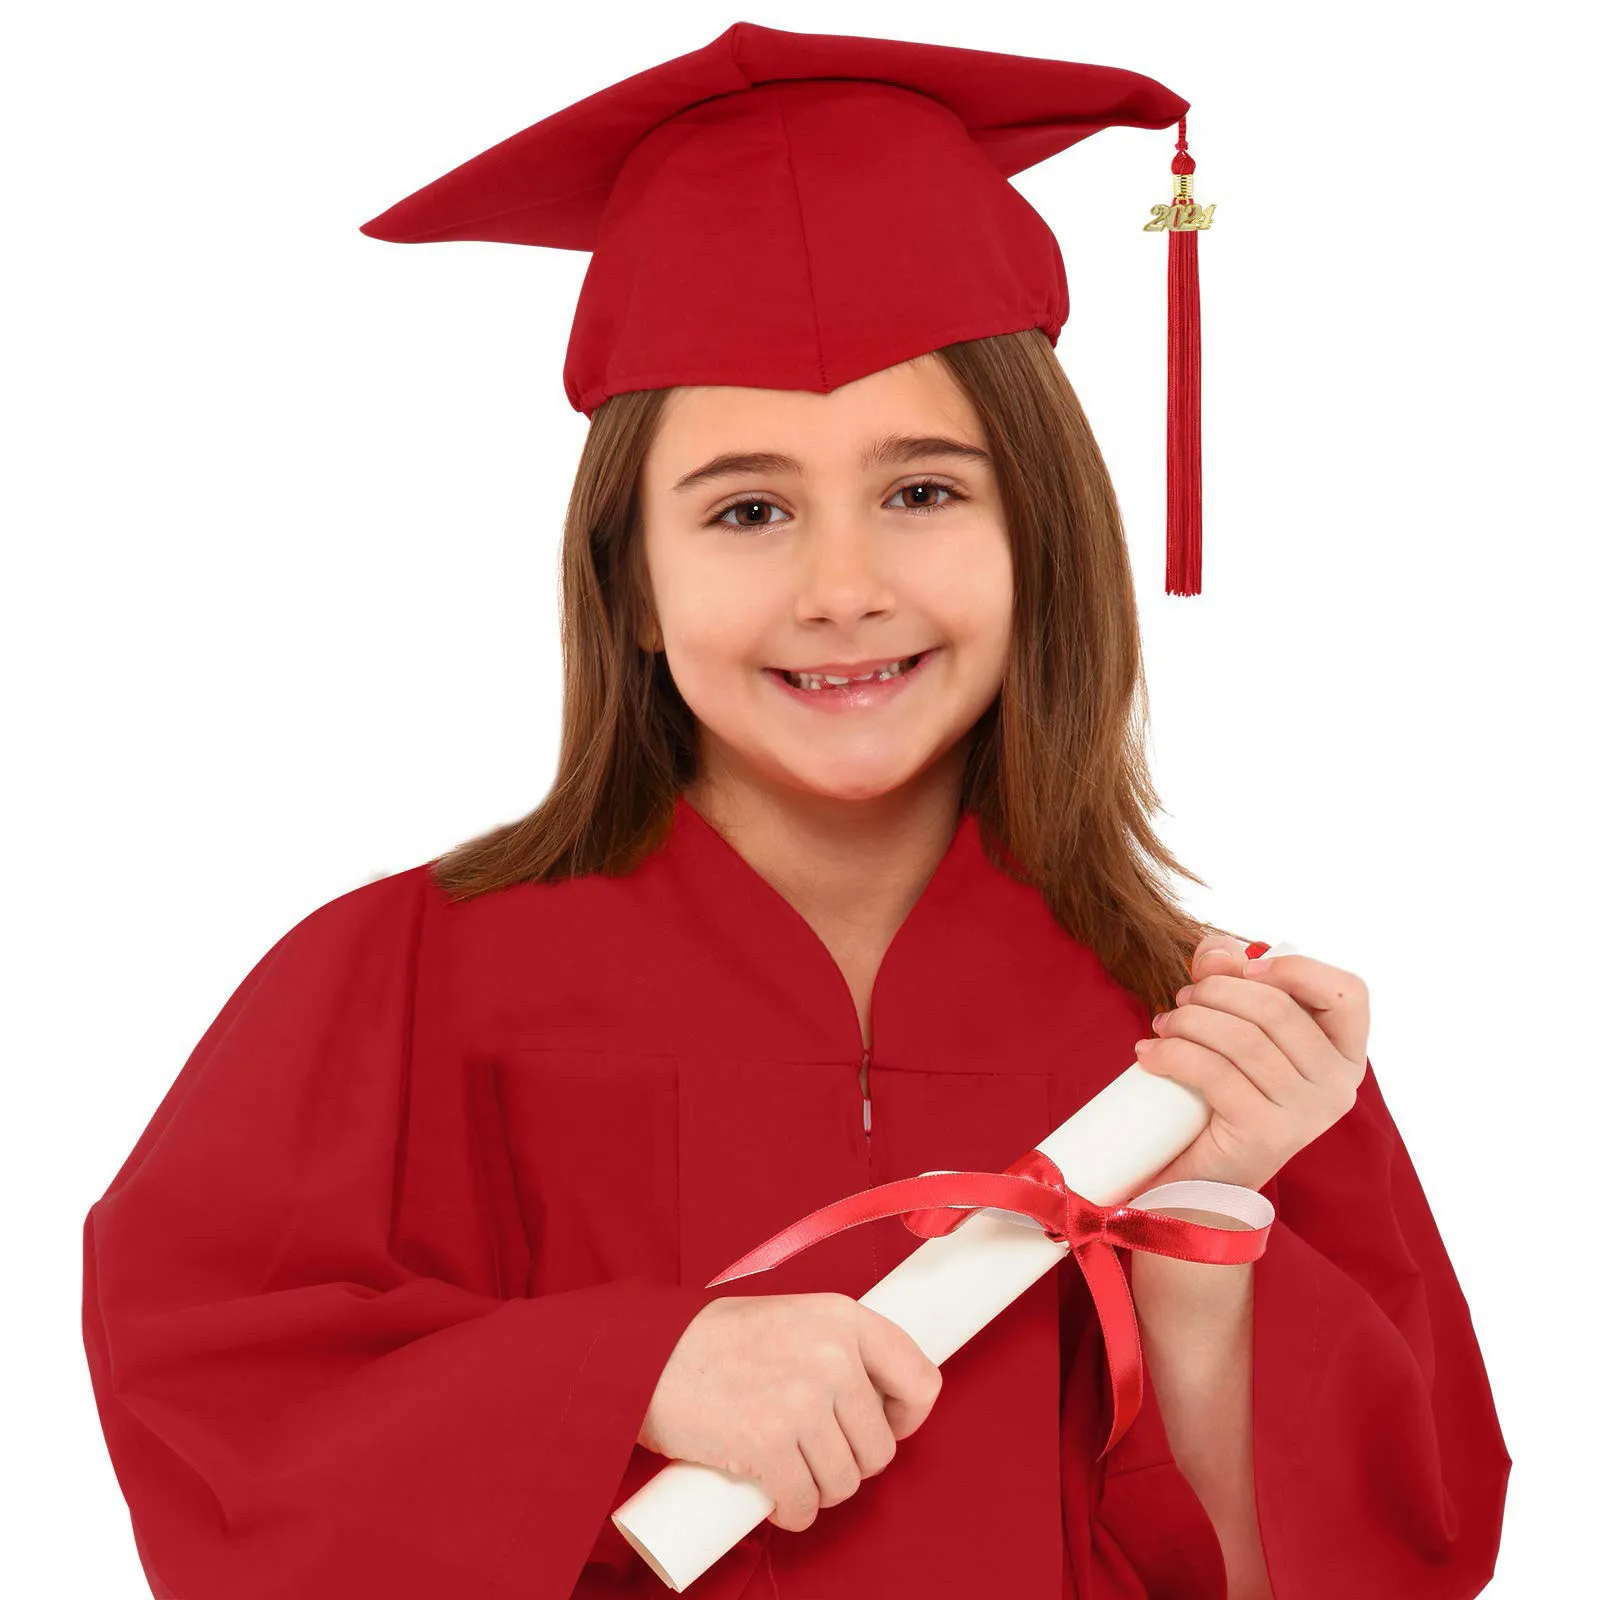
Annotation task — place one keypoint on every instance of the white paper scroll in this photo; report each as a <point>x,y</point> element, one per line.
<point>689,1515</point>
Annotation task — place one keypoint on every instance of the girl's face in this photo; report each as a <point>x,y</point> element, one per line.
<point>786,529</point>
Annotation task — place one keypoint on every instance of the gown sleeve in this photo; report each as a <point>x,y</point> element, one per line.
<point>1380,1467</point>
<point>1379,1464</point>
<point>294,1403</point>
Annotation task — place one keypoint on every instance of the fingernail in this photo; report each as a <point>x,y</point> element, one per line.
<point>1141,1045</point>
<point>1159,1018</point>
<point>1184,993</point>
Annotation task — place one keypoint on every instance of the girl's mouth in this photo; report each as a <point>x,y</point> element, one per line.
<point>823,694</point>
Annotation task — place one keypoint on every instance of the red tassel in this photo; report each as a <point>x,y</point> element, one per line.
<point>1183,221</point>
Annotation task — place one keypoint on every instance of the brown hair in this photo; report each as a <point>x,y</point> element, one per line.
<point>1056,769</point>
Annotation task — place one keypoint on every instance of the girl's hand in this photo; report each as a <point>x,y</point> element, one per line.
<point>805,1393</point>
<point>1278,1053</point>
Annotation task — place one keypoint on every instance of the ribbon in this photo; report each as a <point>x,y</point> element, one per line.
<point>936,1203</point>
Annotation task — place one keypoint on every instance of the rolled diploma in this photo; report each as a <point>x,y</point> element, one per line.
<point>690,1515</point>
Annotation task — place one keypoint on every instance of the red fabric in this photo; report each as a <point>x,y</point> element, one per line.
<point>790,210</point>
<point>378,1301</point>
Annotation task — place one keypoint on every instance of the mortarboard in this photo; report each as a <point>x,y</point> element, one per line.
<point>797,210</point>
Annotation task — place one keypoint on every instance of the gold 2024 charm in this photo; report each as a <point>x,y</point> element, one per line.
<point>1179,217</point>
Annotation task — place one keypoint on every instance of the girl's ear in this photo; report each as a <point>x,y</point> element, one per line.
<point>639,620</point>
<point>641,608</point>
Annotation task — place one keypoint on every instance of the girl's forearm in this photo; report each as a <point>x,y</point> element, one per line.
<point>1195,1323</point>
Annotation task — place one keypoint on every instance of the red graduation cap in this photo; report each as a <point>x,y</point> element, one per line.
<point>796,210</point>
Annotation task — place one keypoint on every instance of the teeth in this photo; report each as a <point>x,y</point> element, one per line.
<point>816,680</point>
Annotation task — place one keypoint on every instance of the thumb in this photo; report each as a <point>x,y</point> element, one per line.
<point>1217,952</point>
<point>900,1371</point>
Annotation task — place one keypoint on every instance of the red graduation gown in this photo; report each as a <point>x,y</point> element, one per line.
<point>378,1301</point>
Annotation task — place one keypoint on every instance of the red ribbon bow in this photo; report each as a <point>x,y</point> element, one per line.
<point>934,1204</point>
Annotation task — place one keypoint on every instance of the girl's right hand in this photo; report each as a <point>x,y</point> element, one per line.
<point>805,1393</point>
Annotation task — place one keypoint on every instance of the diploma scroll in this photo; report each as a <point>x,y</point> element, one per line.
<point>689,1515</point>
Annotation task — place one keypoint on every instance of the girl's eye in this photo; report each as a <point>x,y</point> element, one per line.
<point>944,488</point>
<point>741,506</point>
<point>751,503</point>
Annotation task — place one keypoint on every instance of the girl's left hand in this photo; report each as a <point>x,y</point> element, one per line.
<point>1277,1052</point>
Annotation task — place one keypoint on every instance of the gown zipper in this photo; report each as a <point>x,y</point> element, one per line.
<point>866,1092</point>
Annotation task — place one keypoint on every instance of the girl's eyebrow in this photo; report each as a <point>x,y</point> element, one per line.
<point>892,448</point>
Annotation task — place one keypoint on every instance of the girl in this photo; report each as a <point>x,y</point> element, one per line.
<point>403,1289</point>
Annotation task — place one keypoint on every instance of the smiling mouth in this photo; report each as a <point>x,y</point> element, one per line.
<point>821,682</point>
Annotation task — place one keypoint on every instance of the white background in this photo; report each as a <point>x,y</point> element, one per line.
<point>283,508</point>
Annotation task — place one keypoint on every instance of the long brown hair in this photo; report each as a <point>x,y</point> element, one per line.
<point>1056,770</point>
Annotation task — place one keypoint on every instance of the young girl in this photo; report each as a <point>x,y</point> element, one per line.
<point>403,1289</point>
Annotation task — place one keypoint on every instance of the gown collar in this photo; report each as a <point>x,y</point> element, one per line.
<point>966,979</point>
